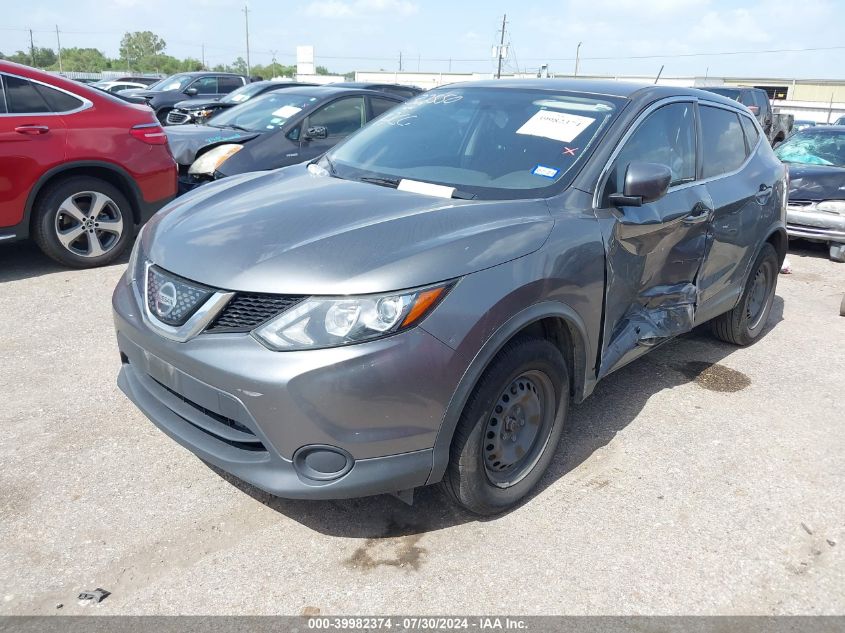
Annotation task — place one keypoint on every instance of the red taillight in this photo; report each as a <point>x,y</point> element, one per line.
<point>149,133</point>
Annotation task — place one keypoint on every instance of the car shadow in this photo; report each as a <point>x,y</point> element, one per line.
<point>24,260</point>
<point>616,402</point>
<point>807,248</point>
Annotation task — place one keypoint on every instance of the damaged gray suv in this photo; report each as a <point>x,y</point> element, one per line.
<point>422,304</point>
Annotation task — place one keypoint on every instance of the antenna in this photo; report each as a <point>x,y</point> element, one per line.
<point>656,79</point>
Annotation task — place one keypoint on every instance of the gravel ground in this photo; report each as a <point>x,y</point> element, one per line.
<point>702,479</point>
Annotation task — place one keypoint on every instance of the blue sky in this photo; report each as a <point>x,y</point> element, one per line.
<point>639,35</point>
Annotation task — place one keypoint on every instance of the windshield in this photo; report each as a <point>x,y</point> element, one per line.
<point>490,143</point>
<point>814,147</point>
<point>174,82</point>
<point>243,93</point>
<point>267,112</point>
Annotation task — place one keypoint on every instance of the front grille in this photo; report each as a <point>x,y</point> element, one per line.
<point>171,298</point>
<point>246,311</point>
<point>174,117</point>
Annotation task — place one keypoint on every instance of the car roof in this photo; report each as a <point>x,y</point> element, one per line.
<point>601,87</point>
<point>368,85</point>
<point>329,90</point>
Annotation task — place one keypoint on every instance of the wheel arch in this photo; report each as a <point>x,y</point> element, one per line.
<point>779,240</point>
<point>550,320</point>
<point>111,173</point>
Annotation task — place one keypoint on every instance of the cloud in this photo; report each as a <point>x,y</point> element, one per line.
<point>359,8</point>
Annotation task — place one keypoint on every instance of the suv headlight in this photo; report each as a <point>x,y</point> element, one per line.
<point>334,321</point>
<point>132,268</point>
<point>832,206</point>
<point>210,162</point>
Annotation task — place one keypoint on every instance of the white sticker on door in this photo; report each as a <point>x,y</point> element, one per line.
<point>559,126</point>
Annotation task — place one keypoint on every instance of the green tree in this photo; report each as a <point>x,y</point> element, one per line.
<point>89,60</point>
<point>239,66</point>
<point>141,50</point>
<point>322,70</point>
<point>43,57</point>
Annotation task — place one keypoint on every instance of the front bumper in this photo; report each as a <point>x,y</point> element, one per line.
<point>815,225</point>
<point>254,413</point>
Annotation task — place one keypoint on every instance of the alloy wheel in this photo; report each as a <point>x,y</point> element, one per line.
<point>89,224</point>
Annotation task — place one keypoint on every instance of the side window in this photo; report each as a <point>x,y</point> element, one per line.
<point>205,85</point>
<point>751,133</point>
<point>23,98</point>
<point>341,117</point>
<point>380,106</point>
<point>227,84</point>
<point>723,144</point>
<point>57,100</point>
<point>666,137</point>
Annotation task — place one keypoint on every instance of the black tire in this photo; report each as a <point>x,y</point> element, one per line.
<point>744,324</point>
<point>470,475</point>
<point>52,221</point>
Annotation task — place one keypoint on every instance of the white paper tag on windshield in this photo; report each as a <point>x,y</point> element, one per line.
<point>239,98</point>
<point>286,112</point>
<point>559,126</point>
<point>425,188</point>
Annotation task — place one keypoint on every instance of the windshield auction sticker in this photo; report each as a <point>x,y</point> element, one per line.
<point>555,125</point>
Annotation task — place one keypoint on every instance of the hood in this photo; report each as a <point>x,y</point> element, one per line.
<point>291,232</point>
<point>816,182</point>
<point>186,140</point>
<point>197,104</point>
<point>137,92</point>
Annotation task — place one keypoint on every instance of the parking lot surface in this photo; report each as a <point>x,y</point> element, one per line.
<point>701,479</point>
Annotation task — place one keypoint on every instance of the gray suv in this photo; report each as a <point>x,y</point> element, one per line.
<point>423,303</point>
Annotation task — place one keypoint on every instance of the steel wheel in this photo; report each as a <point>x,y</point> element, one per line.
<point>518,428</point>
<point>89,224</point>
<point>758,297</point>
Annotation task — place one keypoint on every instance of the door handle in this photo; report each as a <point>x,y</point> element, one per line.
<point>699,213</point>
<point>32,129</point>
<point>763,194</point>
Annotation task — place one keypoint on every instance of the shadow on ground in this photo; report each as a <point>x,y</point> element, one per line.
<point>24,260</point>
<point>616,402</point>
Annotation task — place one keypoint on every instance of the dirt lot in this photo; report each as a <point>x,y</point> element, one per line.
<point>700,479</point>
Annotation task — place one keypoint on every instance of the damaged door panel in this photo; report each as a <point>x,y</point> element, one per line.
<point>655,243</point>
<point>651,291</point>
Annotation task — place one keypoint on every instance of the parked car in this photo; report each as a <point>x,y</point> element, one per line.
<point>776,126</point>
<point>280,128</point>
<point>422,303</point>
<point>117,86</point>
<point>800,124</point>
<point>199,110</point>
<point>88,167</point>
<point>815,158</point>
<point>165,94</point>
<point>840,121</point>
<point>406,92</point>
<point>136,79</point>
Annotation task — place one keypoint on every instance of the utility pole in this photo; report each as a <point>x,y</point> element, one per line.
<point>577,58</point>
<point>246,19</point>
<point>59,47</point>
<point>31,48</point>
<point>273,53</point>
<point>501,46</point>
<point>203,55</point>
<point>400,61</point>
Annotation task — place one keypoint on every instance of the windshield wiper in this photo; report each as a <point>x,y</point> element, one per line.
<point>384,182</point>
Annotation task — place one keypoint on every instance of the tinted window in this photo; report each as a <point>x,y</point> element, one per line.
<point>730,93</point>
<point>751,133</point>
<point>264,113</point>
<point>205,85</point>
<point>380,106</point>
<point>814,146</point>
<point>666,137</point>
<point>57,100</point>
<point>493,143</point>
<point>2,97</point>
<point>341,117</point>
<point>227,84</point>
<point>174,82</point>
<point>723,143</point>
<point>23,98</point>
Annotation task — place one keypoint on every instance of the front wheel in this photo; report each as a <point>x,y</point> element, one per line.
<point>744,324</point>
<point>509,428</point>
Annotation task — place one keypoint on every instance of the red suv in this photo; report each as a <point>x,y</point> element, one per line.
<point>80,169</point>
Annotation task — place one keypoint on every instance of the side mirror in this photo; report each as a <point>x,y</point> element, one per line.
<point>317,132</point>
<point>191,92</point>
<point>644,182</point>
